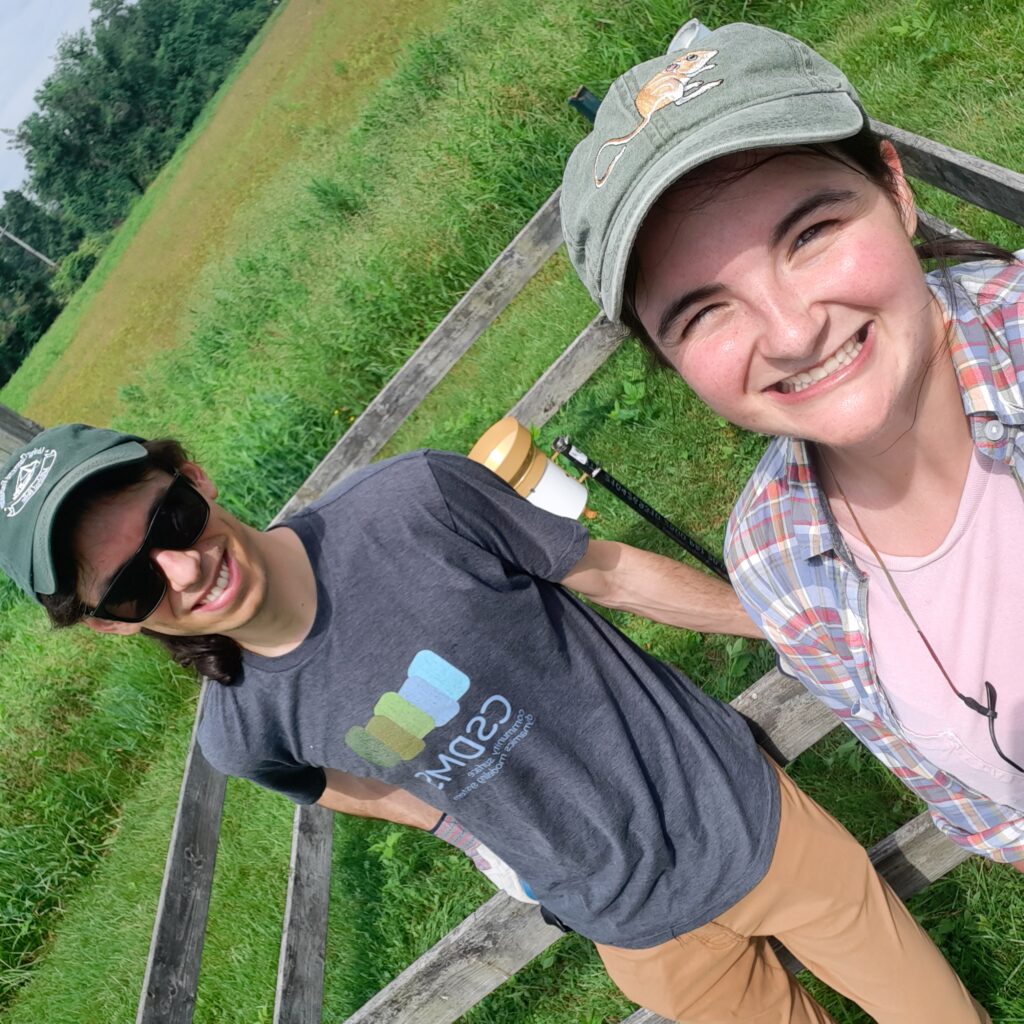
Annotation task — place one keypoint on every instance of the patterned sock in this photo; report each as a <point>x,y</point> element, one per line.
<point>484,859</point>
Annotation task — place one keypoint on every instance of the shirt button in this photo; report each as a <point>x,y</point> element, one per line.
<point>994,430</point>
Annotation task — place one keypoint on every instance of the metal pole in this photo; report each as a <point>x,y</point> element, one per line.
<point>584,102</point>
<point>564,446</point>
<point>4,233</point>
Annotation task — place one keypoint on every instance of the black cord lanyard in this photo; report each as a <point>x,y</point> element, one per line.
<point>989,708</point>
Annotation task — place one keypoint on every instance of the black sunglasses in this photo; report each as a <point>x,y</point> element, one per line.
<point>139,586</point>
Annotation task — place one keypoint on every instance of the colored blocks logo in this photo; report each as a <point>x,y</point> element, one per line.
<point>428,698</point>
<point>405,714</point>
<point>360,741</point>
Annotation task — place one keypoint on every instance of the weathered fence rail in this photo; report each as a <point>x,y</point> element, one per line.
<point>451,339</point>
<point>172,972</point>
<point>15,430</point>
<point>984,184</point>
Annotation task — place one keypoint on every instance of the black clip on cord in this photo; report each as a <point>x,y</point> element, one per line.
<point>564,446</point>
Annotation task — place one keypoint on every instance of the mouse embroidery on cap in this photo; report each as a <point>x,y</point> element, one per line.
<point>675,84</point>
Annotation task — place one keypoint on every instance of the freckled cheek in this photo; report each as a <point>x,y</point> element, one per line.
<point>871,273</point>
<point>717,372</point>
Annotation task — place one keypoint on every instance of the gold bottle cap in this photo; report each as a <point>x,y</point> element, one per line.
<point>507,449</point>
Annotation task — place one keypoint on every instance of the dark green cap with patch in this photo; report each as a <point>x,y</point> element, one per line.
<point>737,88</point>
<point>34,485</point>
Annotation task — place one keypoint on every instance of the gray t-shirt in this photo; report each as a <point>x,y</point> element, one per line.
<point>442,660</point>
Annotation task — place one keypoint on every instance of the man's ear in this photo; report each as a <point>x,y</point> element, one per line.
<point>110,626</point>
<point>904,196</point>
<point>202,483</point>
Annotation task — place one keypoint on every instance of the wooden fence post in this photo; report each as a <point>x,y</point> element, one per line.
<point>172,970</point>
<point>15,430</point>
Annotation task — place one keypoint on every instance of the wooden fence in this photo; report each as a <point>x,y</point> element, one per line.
<point>502,936</point>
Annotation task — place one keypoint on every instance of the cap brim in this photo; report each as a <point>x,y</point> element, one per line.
<point>44,577</point>
<point>786,121</point>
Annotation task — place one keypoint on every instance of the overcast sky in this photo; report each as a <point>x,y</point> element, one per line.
<point>29,30</point>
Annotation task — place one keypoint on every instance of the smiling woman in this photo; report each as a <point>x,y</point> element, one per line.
<point>772,318</point>
<point>759,241</point>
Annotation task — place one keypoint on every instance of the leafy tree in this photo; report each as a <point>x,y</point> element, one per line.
<point>27,308</point>
<point>44,229</point>
<point>122,95</point>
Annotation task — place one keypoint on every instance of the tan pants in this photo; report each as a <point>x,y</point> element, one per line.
<point>822,898</point>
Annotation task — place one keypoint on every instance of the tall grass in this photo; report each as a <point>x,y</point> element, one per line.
<point>78,727</point>
<point>355,250</point>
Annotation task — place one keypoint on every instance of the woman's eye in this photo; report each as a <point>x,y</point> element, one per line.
<point>702,313</point>
<point>809,234</point>
<point>694,320</point>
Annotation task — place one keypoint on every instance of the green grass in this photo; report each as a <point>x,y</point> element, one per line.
<point>79,724</point>
<point>45,355</point>
<point>290,89</point>
<point>342,261</point>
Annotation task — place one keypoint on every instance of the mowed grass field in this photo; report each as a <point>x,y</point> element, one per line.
<point>410,156</point>
<point>307,75</point>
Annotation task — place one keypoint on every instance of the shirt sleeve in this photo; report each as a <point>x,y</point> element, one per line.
<point>221,742</point>
<point>484,510</point>
<point>1004,842</point>
<point>301,784</point>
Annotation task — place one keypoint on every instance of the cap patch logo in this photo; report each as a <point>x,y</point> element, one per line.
<point>24,479</point>
<point>676,84</point>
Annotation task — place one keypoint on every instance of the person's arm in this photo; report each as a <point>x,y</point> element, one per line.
<point>659,588</point>
<point>370,798</point>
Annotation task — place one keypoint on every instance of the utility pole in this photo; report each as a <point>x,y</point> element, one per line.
<point>4,233</point>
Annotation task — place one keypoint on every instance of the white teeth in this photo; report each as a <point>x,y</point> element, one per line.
<point>843,356</point>
<point>218,588</point>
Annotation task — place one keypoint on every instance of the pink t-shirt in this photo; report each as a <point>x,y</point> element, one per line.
<point>968,604</point>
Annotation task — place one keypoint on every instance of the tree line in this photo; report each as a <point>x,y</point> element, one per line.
<point>122,95</point>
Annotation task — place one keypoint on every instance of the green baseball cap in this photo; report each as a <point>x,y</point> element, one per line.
<point>33,486</point>
<point>736,88</point>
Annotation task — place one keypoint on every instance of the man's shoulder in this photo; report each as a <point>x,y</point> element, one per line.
<point>222,729</point>
<point>410,470</point>
<point>385,473</point>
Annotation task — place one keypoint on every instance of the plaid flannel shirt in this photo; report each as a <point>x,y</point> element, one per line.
<point>796,577</point>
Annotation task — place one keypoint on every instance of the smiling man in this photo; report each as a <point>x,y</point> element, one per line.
<point>408,648</point>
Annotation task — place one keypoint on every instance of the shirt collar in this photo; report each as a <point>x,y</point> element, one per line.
<point>989,389</point>
<point>814,528</point>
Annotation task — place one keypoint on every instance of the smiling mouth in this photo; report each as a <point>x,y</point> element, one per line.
<point>843,356</point>
<point>219,585</point>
